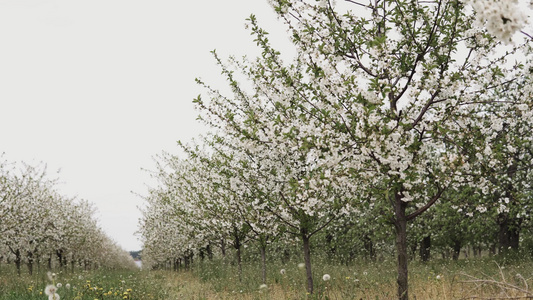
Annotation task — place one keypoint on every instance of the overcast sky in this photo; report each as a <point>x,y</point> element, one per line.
<point>96,88</point>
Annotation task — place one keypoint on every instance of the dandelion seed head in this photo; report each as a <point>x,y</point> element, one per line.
<point>50,290</point>
<point>326,277</point>
<point>53,297</point>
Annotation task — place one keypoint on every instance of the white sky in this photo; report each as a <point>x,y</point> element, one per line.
<point>96,88</point>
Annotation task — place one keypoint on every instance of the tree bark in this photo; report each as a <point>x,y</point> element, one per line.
<point>425,248</point>
<point>400,225</point>
<point>223,247</point>
<point>186,261</point>
<point>237,246</point>
<point>307,260</point>
<point>286,257</point>
<point>209,251</point>
<point>29,263</point>
<point>368,244</point>
<point>201,254</point>
<point>263,263</point>
<point>18,261</point>
<point>456,249</point>
<point>61,258</point>
<point>509,232</point>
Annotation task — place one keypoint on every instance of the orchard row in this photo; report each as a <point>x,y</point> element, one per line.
<point>39,226</point>
<point>396,123</point>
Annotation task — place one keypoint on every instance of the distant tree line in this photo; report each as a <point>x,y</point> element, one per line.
<point>39,227</point>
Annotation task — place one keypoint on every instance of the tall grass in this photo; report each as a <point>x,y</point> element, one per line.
<point>84,285</point>
<point>487,278</point>
<point>437,279</point>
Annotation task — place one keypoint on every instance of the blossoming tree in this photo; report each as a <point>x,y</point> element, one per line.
<point>384,92</point>
<point>37,224</point>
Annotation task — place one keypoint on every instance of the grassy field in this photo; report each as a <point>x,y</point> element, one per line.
<point>463,279</point>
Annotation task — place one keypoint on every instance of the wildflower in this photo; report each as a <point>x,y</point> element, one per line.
<point>326,277</point>
<point>301,265</point>
<point>282,271</point>
<point>67,286</point>
<point>50,290</point>
<point>54,296</point>
<point>51,276</point>
<point>59,285</point>
<point>439,277</point>
<point>263,286</point>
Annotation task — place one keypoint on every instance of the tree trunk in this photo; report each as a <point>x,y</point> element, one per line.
<point>286,257</point>
<point>60,258</point>
<point>209,251</point>
<point>186,261</point>
<point>263,263</point>
<point>29,263</point>
<point>72,264</point>
<point>329,242</point>
<point>456,249</point>
<point>223,247</point>
<point>237,246</point>
<point>307,260</point>
<point>400,225</point>
<point>49,265</point>
<point>425,248</point>
<point>202,254</point>
<point>18,261</point>
<point>509,232</point>
<point>369,247</point>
